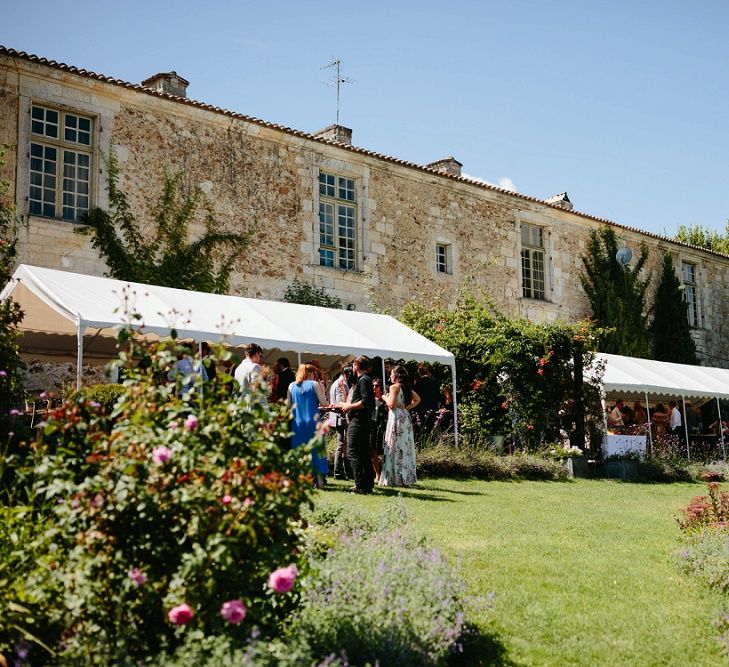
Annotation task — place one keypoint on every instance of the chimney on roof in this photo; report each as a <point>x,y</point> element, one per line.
<point>335,132</point>
<point>561,200</point>
<point>448,165</point>
<point>170,83</point>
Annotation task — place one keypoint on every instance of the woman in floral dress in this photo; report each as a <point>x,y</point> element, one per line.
<point>399,466</point>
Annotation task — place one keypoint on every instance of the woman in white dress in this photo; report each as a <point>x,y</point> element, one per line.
<point>399,466</point>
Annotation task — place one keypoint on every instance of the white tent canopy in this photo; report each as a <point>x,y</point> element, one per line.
<point>66,310</point>
<point>629,376</point>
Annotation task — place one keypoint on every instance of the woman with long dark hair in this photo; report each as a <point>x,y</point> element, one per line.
<point>399,466</point>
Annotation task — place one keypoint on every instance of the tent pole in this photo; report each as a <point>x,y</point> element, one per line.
<point>384,379</point>
<point>299,357</point>
<point>721,427</point>
<point>650,429</point>
<point>199,354</point>
<point>455,403</point>
<point>79,355</point>
<point>685,428</point>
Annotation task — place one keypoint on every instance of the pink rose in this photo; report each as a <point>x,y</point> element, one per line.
<point>180,615</point>
<point>282,580</point>
<point>247,502</point>
<point>191,423</point>
<point>173,426</point>
<point>161,455</point>
<point>137,576</point>
<point>226,500</point>
<point>233,611</point>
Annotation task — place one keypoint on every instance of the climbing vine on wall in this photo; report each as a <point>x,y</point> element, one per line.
<point>166,255</point>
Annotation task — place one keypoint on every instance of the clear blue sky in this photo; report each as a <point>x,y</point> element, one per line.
<point>623,104</point>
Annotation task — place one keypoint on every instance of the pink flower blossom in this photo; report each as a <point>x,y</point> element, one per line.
<point>161,455</point>
<point>14,412</point>
<point>43,395</point>
<point>247,502</point>
<point>173,425</point>
<point>233,611</point>
<point>180,615</point>
<point>137,576</point>
<point>3,374</point>
<point>226,500</point>
<point>282,580</point>
<point>191,423</point>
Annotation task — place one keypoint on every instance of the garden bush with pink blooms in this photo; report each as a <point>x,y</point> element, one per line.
<point>174,514</point>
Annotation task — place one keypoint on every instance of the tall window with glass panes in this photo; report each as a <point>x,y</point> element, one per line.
<point>60,163</point>
<point>532,262</point>
<point>688,278</point>
<point>337,221</point>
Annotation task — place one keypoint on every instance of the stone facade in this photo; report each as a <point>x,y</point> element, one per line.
<point>264,178</point>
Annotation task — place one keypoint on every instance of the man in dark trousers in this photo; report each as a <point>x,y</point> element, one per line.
<point>359,410</point>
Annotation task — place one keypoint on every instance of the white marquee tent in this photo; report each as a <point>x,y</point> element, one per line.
<point>69,311</point>
<point>661,380</point>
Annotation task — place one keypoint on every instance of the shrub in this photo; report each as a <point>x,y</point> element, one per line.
<point>711,510</point>
<point>381,597</point>
<point>707,556</point>
<point>467,460</point>
<point>184,500</point>
<point>661,469</point>
<point>105,395</point>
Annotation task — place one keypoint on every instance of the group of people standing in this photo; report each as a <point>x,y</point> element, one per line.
<point>369,420</point>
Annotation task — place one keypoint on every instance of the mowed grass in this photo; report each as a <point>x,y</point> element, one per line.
<point>582,572</point>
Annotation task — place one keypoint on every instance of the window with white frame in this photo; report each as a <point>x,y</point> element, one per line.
<point>443,258</point>
<point>688,278</point>
<point>337,221</point>
<point>60,163</point>
<point>532,262</point>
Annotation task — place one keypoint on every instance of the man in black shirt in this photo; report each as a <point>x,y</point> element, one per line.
<point>284,377</point>
<point>359,410</point>
<point>428,390</point>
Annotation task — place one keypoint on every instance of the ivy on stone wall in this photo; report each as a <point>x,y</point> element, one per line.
<point>301,292</point>
<point>515,377</point>
<point>617,295</point>
<point>11,385</point>
<point>166,254</point>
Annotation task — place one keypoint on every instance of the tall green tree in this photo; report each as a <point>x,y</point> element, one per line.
<point>704,237</point>
<point>617,295</point>
<point>670,329</point>
<point>166,255</point>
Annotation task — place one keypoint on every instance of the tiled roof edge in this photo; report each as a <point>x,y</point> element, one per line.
<point>354,149</point>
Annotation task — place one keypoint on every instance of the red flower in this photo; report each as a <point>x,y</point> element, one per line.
<point>543,362</point>
<point>476,385</point>
<point>530,427</point>
<point>540,371</point>
<point>504,405</point>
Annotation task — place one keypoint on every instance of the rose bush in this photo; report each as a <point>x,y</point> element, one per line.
<point>164,515</point>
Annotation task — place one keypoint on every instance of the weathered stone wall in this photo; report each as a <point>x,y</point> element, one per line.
<point>43,375</point>
<point>263,179</point>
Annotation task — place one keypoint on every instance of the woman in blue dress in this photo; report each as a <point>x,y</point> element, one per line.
<point>304,397</point>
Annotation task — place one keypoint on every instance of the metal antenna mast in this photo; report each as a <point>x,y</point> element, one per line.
<point>336,62</point>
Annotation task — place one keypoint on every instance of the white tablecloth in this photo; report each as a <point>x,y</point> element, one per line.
<point>614,445</point>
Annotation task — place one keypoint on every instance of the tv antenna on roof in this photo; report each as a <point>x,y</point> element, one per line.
<point>338,80</point>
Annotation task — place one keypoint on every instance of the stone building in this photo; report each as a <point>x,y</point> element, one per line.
<point>368,227</point>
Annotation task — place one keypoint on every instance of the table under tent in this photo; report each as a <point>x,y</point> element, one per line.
<point>649,382</point>
<point>74,314</point>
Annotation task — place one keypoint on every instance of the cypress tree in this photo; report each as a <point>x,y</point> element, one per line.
<point>617,295</point>
<point>670,327</point>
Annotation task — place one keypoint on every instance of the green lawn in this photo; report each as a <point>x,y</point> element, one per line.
<point>583,572</point>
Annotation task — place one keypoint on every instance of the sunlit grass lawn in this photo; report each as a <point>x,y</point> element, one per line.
<point>583,572</point>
